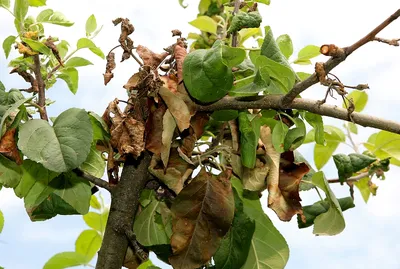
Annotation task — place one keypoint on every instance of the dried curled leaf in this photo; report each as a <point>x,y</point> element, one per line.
<point>26,50</point>
<point>8,146</point>
<point>180,54</point>
<point>245,20</point>
<point>127,133</point>
<point>50,44</point>
<point>110,66</point>
<point>124,39</point>
<point>204,212</point>
<point>150,58</point>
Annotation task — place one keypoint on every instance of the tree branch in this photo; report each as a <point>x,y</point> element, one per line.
<point>124,203</point>
<point>350,179</point>
<point>336,60</point>
<point>95,180</point>
<point>275,102</point>
<point>41,86</point>
<point>235,34</point>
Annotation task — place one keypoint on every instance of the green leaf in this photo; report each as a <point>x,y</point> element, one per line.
<point>62,47</point>
<point>268,248</point>
<point>94,202</point>
<point>150,231</point>
<point>285,45</point>
<point>10,172</point>
<point>360,99</point>
<point>322,153</point>
<point>278,136</point>
<point>91,25</point>
<point>306,53</point>
<point>5,3</point>
<point>295,136</point>
<point>352,127</point>
<point>100,128</point>
<point>7,43</point>
<point>71,77</point>
<point>384,145</point>
<point>331,222</point>
<point>1,221</point>
<point>234,248</point>
<point>363,186</point>
<point>312,211</point>
<point>34,185</point>
<point>95,221</point>
<point>77,62</point>
<point>20,10</point>
<point>303,75</point>
<point>348,165</point>
<point>87,244</point>
<point>231,56</point>
<point>94,164</point>
<point>202,72</point>
<point>181,3</point>
<point>85,43</point>
<point>147,265</point>
<point>317,123</point>
<point>205,24</point>
<point>98,52</point>
<point>64,260</point>
<point>245,20</point>
<point>57,18</point>
<point>225,115</point>
<point>248,141</point>
<point>10,110</point>
<point>61,147</point>
<point>246,33</point>
<point>73,190</point>
<point>266,2</point>
<point>37,3</point>
<point>37,46</point>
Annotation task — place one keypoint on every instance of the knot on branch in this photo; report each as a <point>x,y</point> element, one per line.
<point>332,50</point>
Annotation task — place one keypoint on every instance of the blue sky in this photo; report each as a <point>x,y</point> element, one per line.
<point>371,237</point>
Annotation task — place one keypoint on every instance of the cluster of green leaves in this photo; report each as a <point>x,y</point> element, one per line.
<point>88,242</point>
<point>31,40</point>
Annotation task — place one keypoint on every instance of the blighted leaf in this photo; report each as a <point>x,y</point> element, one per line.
<point>359,98</point>
<point>199,225</point>
<point>306,53</point>
<point>150,58</point>
<point>88,243</point>
<point>7,43</point>
<point>245,20</point>
<point>347,165</point>
<point>255,179</point>
<point>168,126</point>
<point>148,226</point>
<point>64,260</point>
<point>16,104</point>
<point>175,174</point>
<point>154,128</point>
<point>177,107</point>
<point>61,147</point>
<point>205,23</point>
<point>320,207</point>
<point>10,172</point>
<point>332,221</point>
<point>202,72</point>
<point>285,45</point>
<point>8,146</point>
<point>268,247</point>
<point>234,248</point>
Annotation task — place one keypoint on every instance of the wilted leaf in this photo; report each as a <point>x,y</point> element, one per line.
<point>154,127</point>
<point>169,126</point>
<point>8,146</point>
<point>347,165</point>
<point>245,20</point>
<point>150,58</point>
<point>204,211</point>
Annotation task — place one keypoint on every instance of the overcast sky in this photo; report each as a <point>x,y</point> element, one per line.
<point>371,237</point>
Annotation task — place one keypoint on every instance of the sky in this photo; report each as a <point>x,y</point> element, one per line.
<point>371,238</point>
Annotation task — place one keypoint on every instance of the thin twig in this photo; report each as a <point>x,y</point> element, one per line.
<point>95,180</point>
<point>274,102</point>
<point>335,61</point>
<point>391,42</point>
<point>235,34</point>
<point>354,145</point>
<point>350,179</point>
<point>41,86</point>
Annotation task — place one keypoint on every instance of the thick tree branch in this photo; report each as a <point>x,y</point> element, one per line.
<point>41,86</point>
<point>274,102</point>
<point>124,203</point>
<point>95,180</point>
<point>336,60</point>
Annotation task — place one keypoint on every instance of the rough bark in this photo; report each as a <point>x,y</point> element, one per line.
<point>124,203</point>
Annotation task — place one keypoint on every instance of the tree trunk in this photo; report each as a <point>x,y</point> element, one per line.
<point>124,203</point>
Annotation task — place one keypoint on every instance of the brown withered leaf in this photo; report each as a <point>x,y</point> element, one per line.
<point>255,179</point>
<point>8,146</point>
<point>110,66</point>
<point>126,42</point>
<point>203,213</point>
<point>127,133</point>
<point>131,261</point>
<point>176,32</point>
<point>154,127</point>
<point>150,58</point>
<point>168,129</point>
<point>193,133</point>
<point>176,172</point>
<point>177,107</point>
<point>50,44</point>
<point>180,54</point>
<point>283,185</point>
